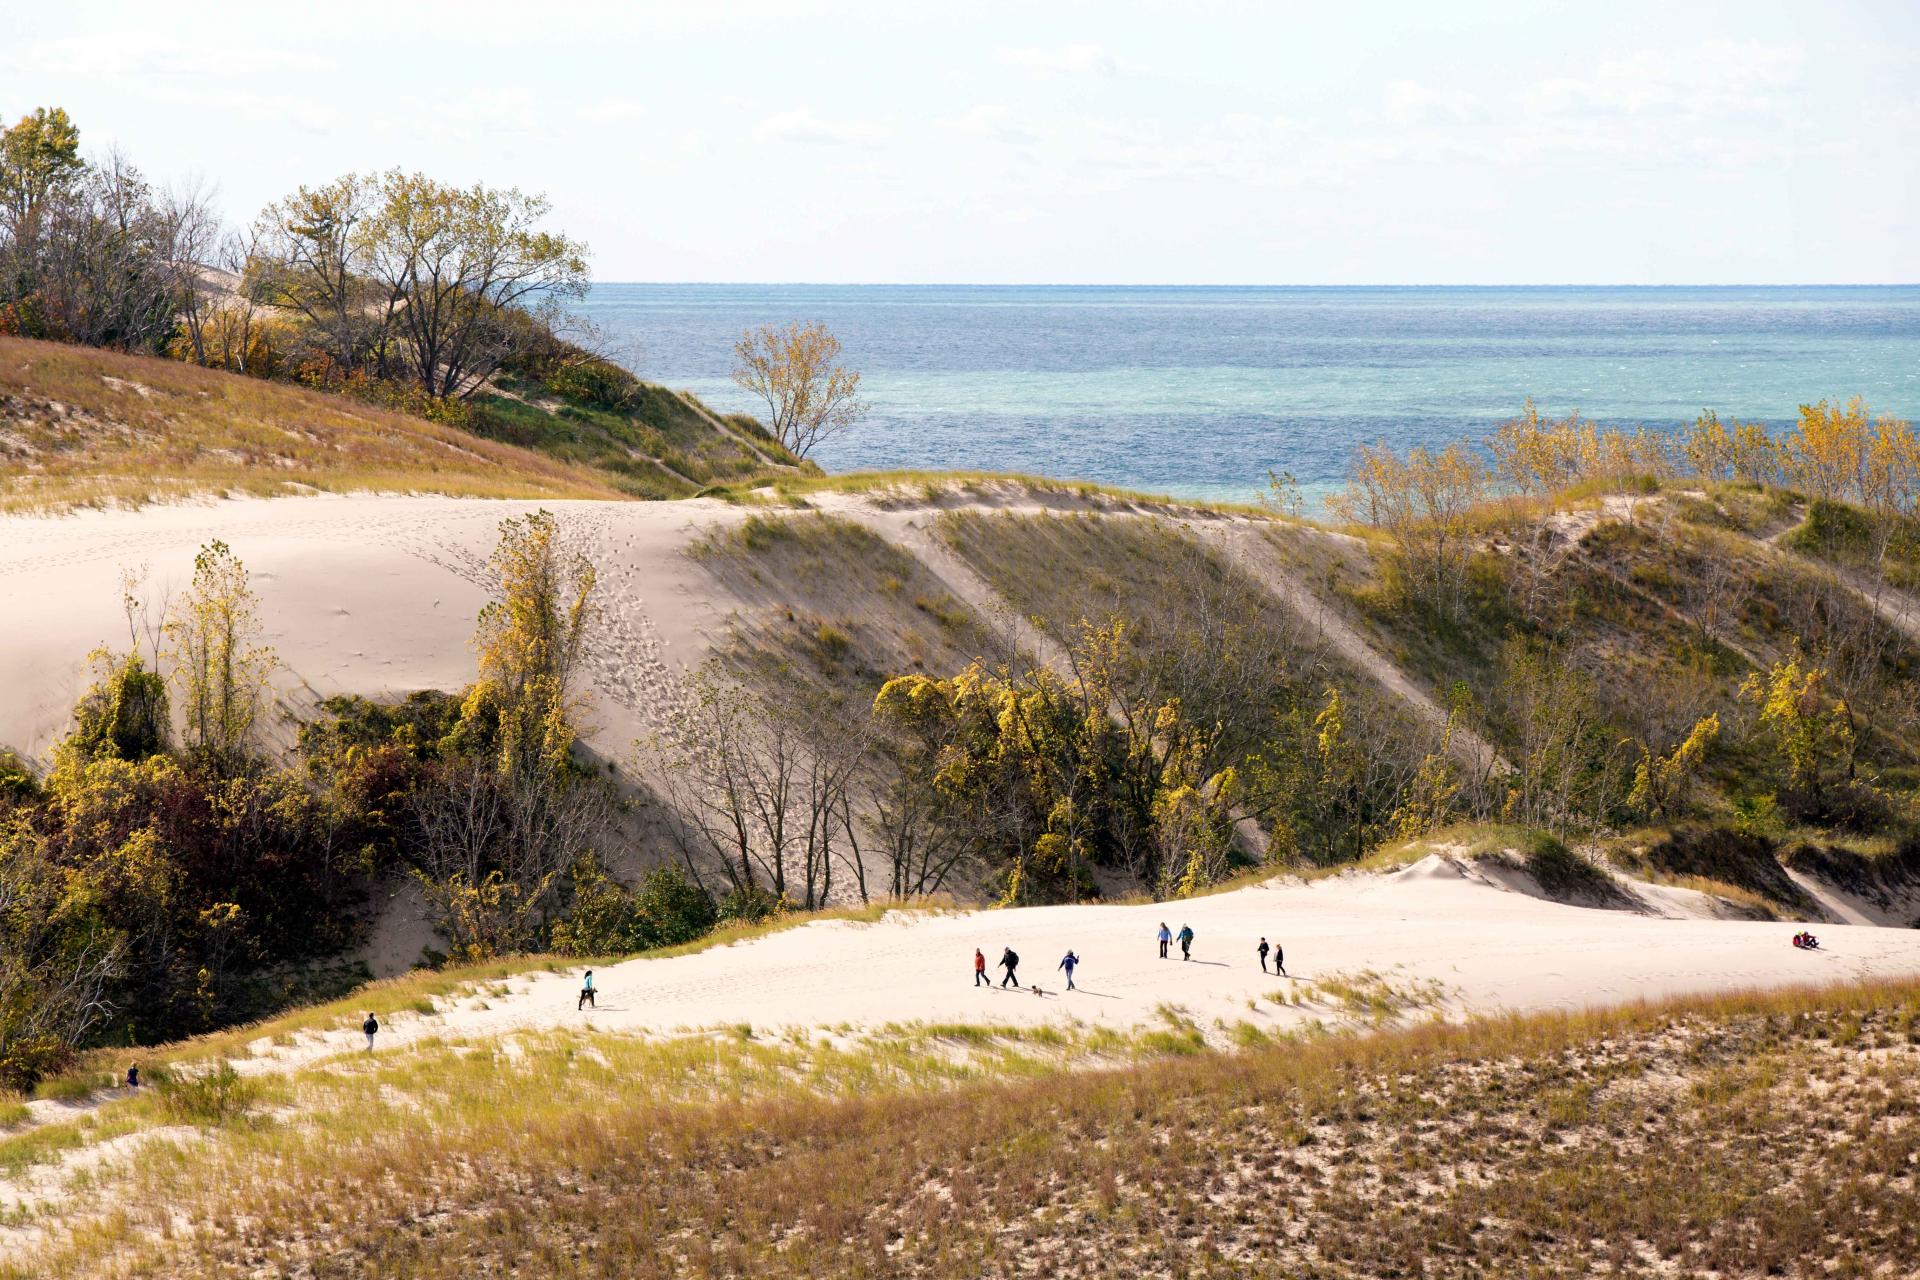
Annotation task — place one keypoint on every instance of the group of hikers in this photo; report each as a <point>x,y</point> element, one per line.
<point>1010,959</point>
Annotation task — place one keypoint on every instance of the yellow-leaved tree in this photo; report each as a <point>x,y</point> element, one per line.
<point>1660,781</point>
<point>1809,729</point>
<point>1425,503</point>
<point>219,668</point>
<point>796,370</point>
<point>530,638</point>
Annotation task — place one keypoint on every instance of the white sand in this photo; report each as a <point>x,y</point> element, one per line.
<point>367,595</point>
<point>1490,948</point>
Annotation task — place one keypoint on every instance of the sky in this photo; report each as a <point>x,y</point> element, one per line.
<point>1466,142</point>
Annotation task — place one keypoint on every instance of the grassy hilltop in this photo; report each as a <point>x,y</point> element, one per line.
<point>87,427</point>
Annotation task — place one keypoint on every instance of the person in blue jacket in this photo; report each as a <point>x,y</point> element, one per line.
<point>1067,962</point>
<point>1166,936</point>
<point>1186,942</point>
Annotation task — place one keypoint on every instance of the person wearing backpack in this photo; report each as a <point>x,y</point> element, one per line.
<point>1186,942</point>
<point>1010,962</point>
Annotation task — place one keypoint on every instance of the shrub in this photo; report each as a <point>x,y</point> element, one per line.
<point>210,1098</point>
<point>26,1060</point>
<point>751,904</point>
<point>608,918</point>
<point>124,715</point>
<point>18,786</point>
<point>595,383</point>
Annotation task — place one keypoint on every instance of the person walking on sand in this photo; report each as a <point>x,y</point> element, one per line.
<point>1263,955</point>
<point>1067,962</point>
<point>1280,961</point>
<point>133,1077</point>
<point>1186,942</point>
<point>1166,936</point>
<point>586,992</point>
<point>980,978</point>
<point>372,1027</point>
<point>1010,962</point>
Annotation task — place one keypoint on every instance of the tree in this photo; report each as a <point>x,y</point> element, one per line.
<point>1425,503</point>
<point>766,791</point>
<point>218,667</point>
<point>460,266</point>
<point>1828,449</point>
<point>310,257</point>
<point>1660,781</point>
<point>57,958</point>
<point>1810,731</point>
<point>39,156</point>
<point>809,397</point>
<point>1561,769</point>
<point>490,848</point>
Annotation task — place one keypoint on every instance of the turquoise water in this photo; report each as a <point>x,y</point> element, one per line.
<point>1200,391</point>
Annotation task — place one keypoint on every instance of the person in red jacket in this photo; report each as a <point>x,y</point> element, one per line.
<point>980,978</point>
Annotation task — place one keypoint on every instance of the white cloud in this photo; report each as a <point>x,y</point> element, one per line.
<point>1072,59</point>
<point>802,125</point>
<point>1721,78</point>
<point>1410,102</point>
<point>992,121</point>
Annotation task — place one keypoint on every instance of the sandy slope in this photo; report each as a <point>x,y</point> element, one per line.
<point>368,595</point>
<point>1487,947</point>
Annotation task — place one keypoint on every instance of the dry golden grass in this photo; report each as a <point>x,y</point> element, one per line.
<point>82,427</point>
<point>1747,1135</point>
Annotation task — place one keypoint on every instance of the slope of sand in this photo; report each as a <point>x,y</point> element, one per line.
<point>1436,927</point>
<point>369,595</point>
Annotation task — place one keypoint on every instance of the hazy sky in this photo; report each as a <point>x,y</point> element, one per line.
<point>1452,142</point>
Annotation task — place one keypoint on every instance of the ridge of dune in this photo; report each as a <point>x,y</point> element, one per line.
<point>1453,943</point>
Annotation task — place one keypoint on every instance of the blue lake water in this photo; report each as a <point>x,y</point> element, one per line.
<point>1200,391</point>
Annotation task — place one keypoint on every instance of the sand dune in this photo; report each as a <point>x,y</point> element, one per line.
<point>367,595</point>
<point>1459,942</point>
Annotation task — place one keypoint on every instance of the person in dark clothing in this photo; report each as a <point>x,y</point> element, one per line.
<point>1280,961</point>
<point>586,992</point>
<point>1010,962</point>
<point>1263,955</point>
<point>980,978</point>
<point>1166,936</point>
<point>1067,962</point>
<point>1186,942</point>
<point>372,1027</point>
<point>133,1076</point>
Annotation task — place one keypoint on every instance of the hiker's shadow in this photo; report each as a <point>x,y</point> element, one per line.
<point>1097,995</point>
<point>1218,964</point>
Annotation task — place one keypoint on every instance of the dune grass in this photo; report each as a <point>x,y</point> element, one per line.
<point>909,486</point>
<point>82,427</point>
<point>1745,1135</point>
